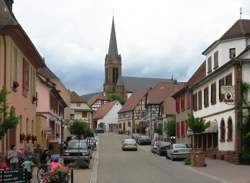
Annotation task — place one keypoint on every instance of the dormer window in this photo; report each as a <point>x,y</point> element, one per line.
<point>232,53</point>
<point>209,64</point>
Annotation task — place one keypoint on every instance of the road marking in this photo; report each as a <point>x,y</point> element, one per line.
<point>93,176</point>
<point>208,175</point>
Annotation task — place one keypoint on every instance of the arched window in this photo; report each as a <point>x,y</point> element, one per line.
<point>222,130</point>
<point>229,129</point>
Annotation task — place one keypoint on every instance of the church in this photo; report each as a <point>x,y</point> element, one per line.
<point>114,81</point>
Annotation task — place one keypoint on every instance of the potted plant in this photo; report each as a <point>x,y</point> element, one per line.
<point>59,175</point>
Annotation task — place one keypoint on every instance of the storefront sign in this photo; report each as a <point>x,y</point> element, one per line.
<point>228,93</point>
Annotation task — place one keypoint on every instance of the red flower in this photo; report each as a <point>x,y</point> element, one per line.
<point>22,137</point>
<point>15,84</point>
<point>28,137</point>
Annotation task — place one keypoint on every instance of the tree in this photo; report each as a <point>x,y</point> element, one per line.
<point>80,128</point>
<point>8,117</point>
<point>170,127</point>
<point>115,96</point>
<point>197,125</point>
<point>245,125</point>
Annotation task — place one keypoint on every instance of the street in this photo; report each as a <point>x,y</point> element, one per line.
<point>116,166</point>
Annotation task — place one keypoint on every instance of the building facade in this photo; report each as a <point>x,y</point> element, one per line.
<point>19,61</point>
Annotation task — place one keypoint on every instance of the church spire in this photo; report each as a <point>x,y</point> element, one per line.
<point>113,51</point>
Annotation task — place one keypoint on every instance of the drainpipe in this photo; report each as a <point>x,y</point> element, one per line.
<point>5,60</point>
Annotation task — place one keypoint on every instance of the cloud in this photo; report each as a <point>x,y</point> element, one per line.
<point>156,38</point>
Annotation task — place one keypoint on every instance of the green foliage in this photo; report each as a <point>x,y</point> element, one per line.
<point>197,125</point>
<point>245,125</point>
<point>170,127</point>
<point>8,118</point>
<point>114,96</point>
<point>187,161</point>
<point>80,128</point>
<point>159,130</point>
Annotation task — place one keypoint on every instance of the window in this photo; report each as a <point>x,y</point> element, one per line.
<point>213,93</point>
<point>72,116</point>
<point>222,131</point>
<point>84,114</point>
<point>221,83</point>
<point>230,129</point>
<point>115,75</point>
<point>216,59</point>
<point>209,64</point>
<point>188,96</point>
<point>27,126</point>
<point>228,80</point>
<point>106,76</point>
<point>183,102</point>
<point>200,100</point>
<point>25,78</point>
<point>15,65</point>
<point>195,102</point>
<point>177,103</point>
<point>232,52</point>
<point>206,104</point>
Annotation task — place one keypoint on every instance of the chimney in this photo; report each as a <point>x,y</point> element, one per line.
<point>9,3</point>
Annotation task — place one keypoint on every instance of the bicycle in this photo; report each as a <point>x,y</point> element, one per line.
<point>41,171</point>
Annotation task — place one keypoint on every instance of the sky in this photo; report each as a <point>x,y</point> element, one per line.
<point>156,38</point>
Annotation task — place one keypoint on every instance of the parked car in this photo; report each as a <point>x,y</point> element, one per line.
<point>178,151</point>
<point>129,144</point>
<point>77,151</point>
<point>135,136</point>
<point>155,146</point>
<point>162,147</point>
<point>144,140</point>
<point>99,130</point>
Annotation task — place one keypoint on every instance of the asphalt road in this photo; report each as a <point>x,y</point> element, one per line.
<point>117,166</point>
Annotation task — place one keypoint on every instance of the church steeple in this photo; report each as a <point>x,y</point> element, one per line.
<point>113,51</point>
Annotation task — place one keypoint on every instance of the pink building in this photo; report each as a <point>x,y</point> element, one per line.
<point>19,61</point>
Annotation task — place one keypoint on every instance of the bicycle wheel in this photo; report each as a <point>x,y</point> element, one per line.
<point>40,174</point>
<point>66,178</point>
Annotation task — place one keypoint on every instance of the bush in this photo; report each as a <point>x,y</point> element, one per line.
<point>245,156</point>
<point>187,161</point>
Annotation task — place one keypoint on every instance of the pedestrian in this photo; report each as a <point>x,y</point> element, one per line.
<point>13,157</point>
<point>54,163</point>
<point>37,154</point>
<point>27,165</point>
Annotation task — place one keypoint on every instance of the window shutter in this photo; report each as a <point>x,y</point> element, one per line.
<point>209,63</point>
<point>221,83</point>
<point>216,59</point>
<point>229,80</point>
<point>177,105</point>
<point>200,99</point>
<point>206,104</point>
<point>213,94</point>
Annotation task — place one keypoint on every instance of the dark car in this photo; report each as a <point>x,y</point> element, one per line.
<point>162,147</point>
<point>144,140</point>
<point>77,151</point>
<point>99,130</point>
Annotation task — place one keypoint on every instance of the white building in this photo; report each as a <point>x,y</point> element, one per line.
<point>80,110</point>
<point>227,63</point>
<point>107,116</point>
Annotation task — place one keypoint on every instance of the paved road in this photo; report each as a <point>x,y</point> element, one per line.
<point>116,166</point>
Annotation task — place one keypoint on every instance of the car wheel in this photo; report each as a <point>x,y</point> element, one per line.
<point>172,158</point>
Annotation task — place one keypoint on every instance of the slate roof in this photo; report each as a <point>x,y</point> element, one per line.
<point>113,50</point>
<point>133,100</point>
<point>136,83</point>
<point>88,96</point>
<point>98,96</point>
<point>241,28</point>
<point>161,91</point>
<point>199,74</point>
<point>103,110</point>
<point>75,98</point>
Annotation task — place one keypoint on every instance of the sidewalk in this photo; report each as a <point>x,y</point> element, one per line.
<point>224,171</point>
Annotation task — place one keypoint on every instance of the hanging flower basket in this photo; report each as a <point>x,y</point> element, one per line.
<point>15,85</point>
<point>33,138</point>
<point>22,137</point>
<point>28,137</point>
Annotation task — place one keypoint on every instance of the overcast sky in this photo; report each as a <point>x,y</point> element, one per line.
<point>156,38</point>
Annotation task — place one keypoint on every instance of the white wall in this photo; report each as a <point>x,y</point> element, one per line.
<point>219,106</point>
<point>111,117</point>
<point>223,50</point>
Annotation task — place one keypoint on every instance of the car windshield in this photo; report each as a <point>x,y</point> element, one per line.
<point>77,144</point>
<point>180,146</point>
<point>164,144</point>
<point>129,141</point>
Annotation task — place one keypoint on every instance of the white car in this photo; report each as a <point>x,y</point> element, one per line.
<point>178,151</point>
<point>129,144</point>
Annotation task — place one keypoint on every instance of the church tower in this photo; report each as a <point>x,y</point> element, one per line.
<point>113,65</point>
